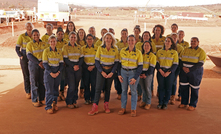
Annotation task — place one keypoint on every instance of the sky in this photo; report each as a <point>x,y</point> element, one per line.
<point>135,3</point>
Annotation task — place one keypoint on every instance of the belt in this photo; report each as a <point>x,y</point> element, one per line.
<point>129,69</point>
<point>107,67</point>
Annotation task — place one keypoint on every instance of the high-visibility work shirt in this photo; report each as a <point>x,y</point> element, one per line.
<point>193,58</point>
<point>184,44</point>
<point>179,50</point>
<point>95,39</point>
<point>66,37</point>
<point>72,53</point>
<point>98,43</point>
<point>159,44</point>
<point>45,38</point>
<point>82,43</point>
<point>36,49</point>
<point>120,45</point>
<point>52,58</point>
<point>167,58</point>
<point>89,54</point>
<point>130,60</point>
<point>139,46</point>
<point>23,40</point>
<point>61,44</point>
<point>149,61</point>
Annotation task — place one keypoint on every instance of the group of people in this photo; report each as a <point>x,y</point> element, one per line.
<point>73,57</point>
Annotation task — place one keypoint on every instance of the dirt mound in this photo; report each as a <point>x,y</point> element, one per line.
<point>10,42</point>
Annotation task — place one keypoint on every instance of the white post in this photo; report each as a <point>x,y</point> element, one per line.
<point>12,29</point>
<point>135,17</point>
<point>145,26</point>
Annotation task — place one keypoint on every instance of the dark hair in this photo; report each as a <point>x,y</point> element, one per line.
<point>173,46</point>
<point>89,35</point>
<point>195,38</point>
<point>137,27</point>
<point>72,33</point>
<point>67,30</point>
<point>174,24</point>
<point>78,37</point>
<point>131,35</point>
<point>161,27</point>
<point>143,35</point>
<point>151,50</point>
<point>124,30</point>
<point>35,30</point>
<point>60,29</point>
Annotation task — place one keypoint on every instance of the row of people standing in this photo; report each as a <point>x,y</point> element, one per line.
<point>106,64</point>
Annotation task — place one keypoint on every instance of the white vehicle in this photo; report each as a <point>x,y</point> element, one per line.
<point>15,15</point>
<point>53,12</point>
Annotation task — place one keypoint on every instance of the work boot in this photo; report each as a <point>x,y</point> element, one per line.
<point>182,106</point>
<point>142,104</point>
<point>41,102</point>
<point>191,108</point>
<point>133,113</point>
<point>28,95</point>
<point>106,107</point>
<point>50,111</point>
<point>81,94</point>
<point>147,106</point>
<point>36,104</point>
<point>122,111</point>
<point>54,106</point>
<point>61,96</point>
<point>94,109</point>
<point>172,99</point>
<point>71,106</point>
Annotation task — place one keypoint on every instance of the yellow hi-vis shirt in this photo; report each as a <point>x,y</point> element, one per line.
<point>45,37</point>
<point>82,43</point>
<point>159,44</point>
<point>149,59</point>
<point>53,58</point>
<point>61,44</point>
<point>120,45</point>
<point>139,46</point>
<point>66,37</point>
<point>89,54</point>
<point>98,43</point>
<point>36,49</point>
<point>107,58</point>
<point>179,50</point>
<point>95,39</point>
<point>130,60</point>
<point>193,56</point>
<point>184,44</point>
<point>23,40</point>
<point>72,53</point>
<point>167,58</point>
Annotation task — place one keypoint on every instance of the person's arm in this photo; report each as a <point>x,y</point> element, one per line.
<point>202,59</point>
<point>175,63</point>
<point>61,63</point>
<point>97,60</point>
<point>140,65</point>
<point>65,57</point>
<point>18,46</point>
<point>152,65</point>
<point>30,56</point>
<point>116,61</point>
<point>45,61</point>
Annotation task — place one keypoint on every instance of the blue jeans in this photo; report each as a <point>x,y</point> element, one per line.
<point>25,72</point>
<point>51,85</point>
<point>89,78</point>
<point>127,75</point>
<point>146,88</point>
<point>165,87</point>
<point>174,87</point>
<point>62,83</point>
<point>74,78</point>
<point>37,84</point>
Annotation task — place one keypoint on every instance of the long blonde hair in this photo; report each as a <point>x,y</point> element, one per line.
<point>114,41</point>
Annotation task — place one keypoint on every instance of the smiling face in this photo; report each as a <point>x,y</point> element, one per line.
<point>81,34</point>
<point>108,39</point>
<point>52,42</point>
<point>103,32</point>
<point>146,36</point>
<point>70,27</point>
<point>136,32</point>
<point>49,29</point>
<point>194,42</point>
<point>174,29</point>
<point>89,40</point>
<point>36,36</point>
<point>92,31</point>
<point>157,31</point>
<point>181,35</point>
<point>73,38</point>
<point>29,28</point>
<point>146,47</point>
<point>124,35</point>
<point>131,41</point>
<point>60,35</point>
<point>168,43</point>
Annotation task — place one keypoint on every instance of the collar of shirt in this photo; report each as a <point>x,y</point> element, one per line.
<point>88,46</point>
<point>52,50</point>
<point>165,49</point>
<point>148,53</point>
<point>39,40</point>
<point>60,41</point>
<point>69,44</point>
<point>26,34</point>
<point>133,49</point>
<point>154,36</point>
<point>181,41</point>
<point>195,47</point>
<point>105,46</point>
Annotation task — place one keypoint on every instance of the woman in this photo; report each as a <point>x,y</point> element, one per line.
<point>146,37</point>
<point>103,32</point>
<point>34,52</point>
<point>20,49</point>
<point>128,73</point>
<point>120,44</point>
<point>89,69</point>
<point>49,28</point>
<point>177,72</point>
<point>53,64</point>
<point>60,44</point>
<point>149,62</point>
<point>106,62</point>
<point>137,32</point>
<point>70,28</point>
<point>92,31</point>
<point>181,41</point>
<point>73,60</point>
<point>167,62</point>
<point>174,29</point>
<point>158,38</point>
